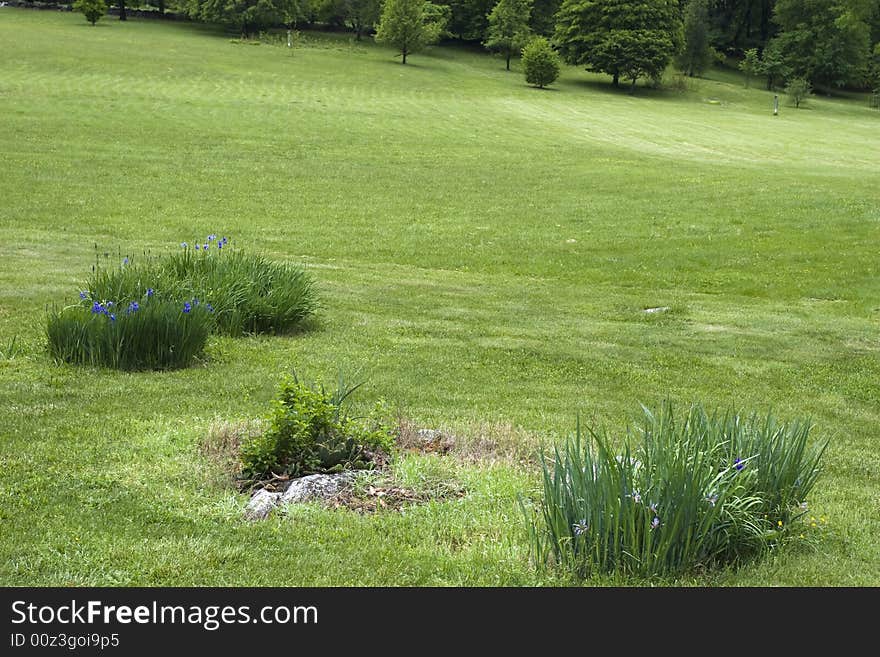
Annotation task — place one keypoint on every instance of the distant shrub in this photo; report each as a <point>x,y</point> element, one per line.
<point>540,63</point>
<point>93,10</point>
<point>798,90</point>
<point>691,491</point>
<point>309,432</point>
<point>139,335</point>
<point>248,292</point>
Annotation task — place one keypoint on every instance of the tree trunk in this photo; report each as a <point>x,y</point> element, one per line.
<point>632,87</point>
<point>122,15</point>
<point>616,79</point>
<point>404,55</point>
<point>508,60</point>
<point>161,7</point>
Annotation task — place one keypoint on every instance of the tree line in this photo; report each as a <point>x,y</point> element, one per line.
<point>828,43</point>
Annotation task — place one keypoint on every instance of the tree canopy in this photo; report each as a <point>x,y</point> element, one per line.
<point>825,41</point>
<point>248,16</point>
<point>624,38</point>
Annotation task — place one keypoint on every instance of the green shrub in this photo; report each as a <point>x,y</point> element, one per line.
<point>689,492</point>
<point>798,91</point>
<point>540,63</point>
<point>137,335</point>
<point>93,10</point>
<point>309,432</point>
<point>248,292</point>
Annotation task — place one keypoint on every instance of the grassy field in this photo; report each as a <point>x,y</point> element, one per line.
<point>484,252</point>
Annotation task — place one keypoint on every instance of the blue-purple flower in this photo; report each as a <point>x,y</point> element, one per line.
<point>183,244</point>
<point>739,464</point>
<point>712,499</point>
<point>112,317</point>
<point>209,307</point>
<point>212,237</point>
<point>580,528</point>
<point>133,307</point>
<point>83,294</point>
<point>198,247</point>
<point>97,308</point>
<point>125,260</point>
<point>655,523</point>
<point>187,307</point>
<point>150,292</point>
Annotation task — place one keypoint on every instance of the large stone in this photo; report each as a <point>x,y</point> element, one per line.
<point>316,487</point>
<point>261,504</point>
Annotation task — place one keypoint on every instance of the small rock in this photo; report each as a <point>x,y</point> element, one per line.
<point>261,504</point>
<point>658,309</point>
<point>316,487</point>
<point>435,440</point>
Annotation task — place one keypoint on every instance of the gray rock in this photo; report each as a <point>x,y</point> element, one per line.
<point>261,504</point>
<point>435,440</point>
<point>316,487</point>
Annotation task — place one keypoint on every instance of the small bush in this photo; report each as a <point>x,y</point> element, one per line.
<point>798,90</point>
<point>309,432</point>
<point>540,63</point>
<point>248,292</point>
<point>93,10</point>
<point>695,491</point>
<point>139,335</point>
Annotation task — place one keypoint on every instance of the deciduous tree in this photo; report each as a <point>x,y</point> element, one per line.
<point>410,25</point>
<point>509,29</point>
<point>826,42</point>
<point>624,38</point>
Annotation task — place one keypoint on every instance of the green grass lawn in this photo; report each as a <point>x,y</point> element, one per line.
<point>484,252</point>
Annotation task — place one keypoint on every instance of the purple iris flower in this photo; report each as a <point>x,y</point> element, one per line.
<point>187,307</point>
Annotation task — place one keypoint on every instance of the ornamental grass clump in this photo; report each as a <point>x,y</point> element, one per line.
<point>682,493</point>
<point>144,334</point>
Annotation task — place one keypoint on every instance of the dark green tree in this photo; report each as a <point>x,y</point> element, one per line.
<point>361,15</point>
<point>737,25</point>
<point>543,20</point>
<point>509,29</point>
<point>826,42</point>
<point>540,63</point>
<point>246,16</point>
<point>750,64</point>
<point>624,38</point>
<point>410,25</point>
<point>93,10</point>
<point>468,18</point>
<point>697,53</point>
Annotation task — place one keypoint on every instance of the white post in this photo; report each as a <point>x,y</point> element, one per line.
<point>775,105</point>
<point>288,39</point>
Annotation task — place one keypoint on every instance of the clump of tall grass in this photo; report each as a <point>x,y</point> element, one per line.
<point>249,293</point>
<point>148,334</point>
<point>681,493</point>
